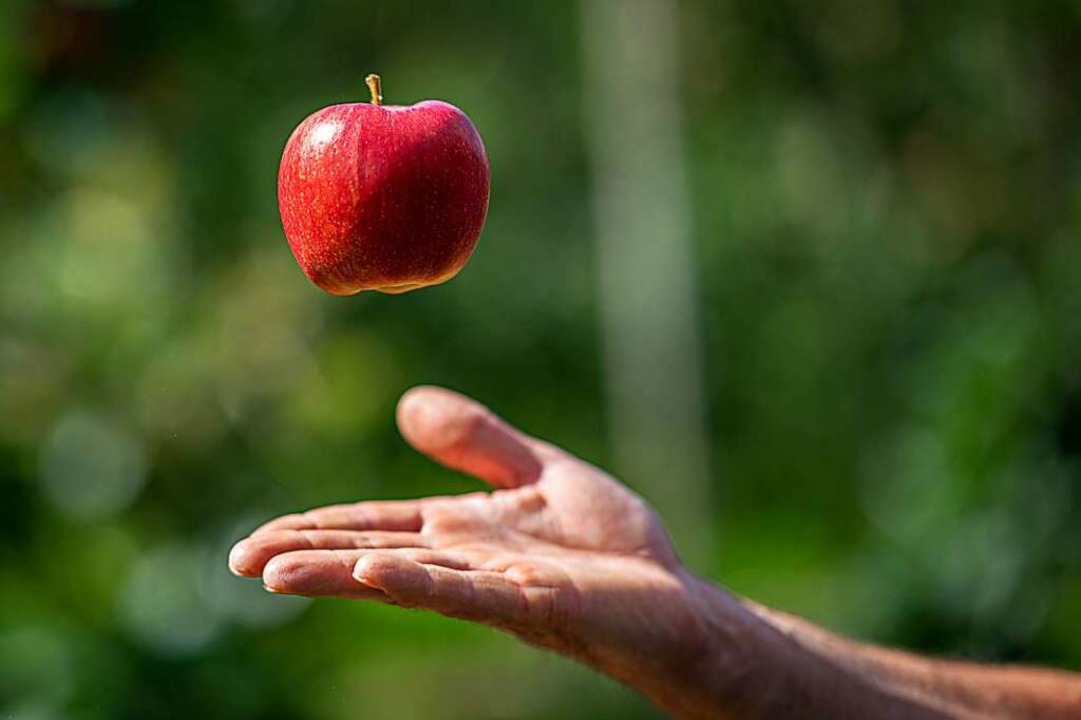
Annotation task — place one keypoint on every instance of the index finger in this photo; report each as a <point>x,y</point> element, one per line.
<point>395,515</point>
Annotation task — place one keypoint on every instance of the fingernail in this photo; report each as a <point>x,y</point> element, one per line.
<point>236,559</point>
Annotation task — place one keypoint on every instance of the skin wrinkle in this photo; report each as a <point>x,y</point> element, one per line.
<point>347,564</point>
<point>365,517</point>
<point>308,539</point>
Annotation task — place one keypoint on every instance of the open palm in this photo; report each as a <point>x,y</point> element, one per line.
<point>559,554</point>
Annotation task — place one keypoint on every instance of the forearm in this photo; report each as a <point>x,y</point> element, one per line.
<point>954,688</point>
<point>758,663</point>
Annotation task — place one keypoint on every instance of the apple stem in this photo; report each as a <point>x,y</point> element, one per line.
<point>376,87</point>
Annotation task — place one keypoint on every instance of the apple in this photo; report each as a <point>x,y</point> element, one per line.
<point>383,197</point>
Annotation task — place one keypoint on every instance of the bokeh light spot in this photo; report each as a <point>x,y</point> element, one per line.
<point>91,466</point>
<point>162,607</point>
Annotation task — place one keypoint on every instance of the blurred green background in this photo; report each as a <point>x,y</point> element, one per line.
<point>884,206</point>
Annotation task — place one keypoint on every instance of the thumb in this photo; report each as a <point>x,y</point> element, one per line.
<point>463,434</point>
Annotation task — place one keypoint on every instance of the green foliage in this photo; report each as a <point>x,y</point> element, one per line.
<point>887,205</point>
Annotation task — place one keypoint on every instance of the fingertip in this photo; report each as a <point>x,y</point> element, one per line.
<point>241,562</point>
<point>416,394</point>
<point>275,574</point>
<point>416,398</point>
<point>433,418</point>
<point>387,572</point>
<point>370,570</point>
<point>283,574</point>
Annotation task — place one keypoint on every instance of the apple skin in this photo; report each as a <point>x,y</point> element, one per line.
<point>383,197</point>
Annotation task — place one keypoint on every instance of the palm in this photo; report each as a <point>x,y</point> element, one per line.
<point>550,555</point>
<point>571,508</point>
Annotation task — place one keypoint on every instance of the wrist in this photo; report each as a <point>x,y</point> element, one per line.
<point>702,668</point>
<point>725,646</point>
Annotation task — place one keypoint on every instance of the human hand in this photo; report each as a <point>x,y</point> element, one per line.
<point>564,557</point>
<point>559,554</point>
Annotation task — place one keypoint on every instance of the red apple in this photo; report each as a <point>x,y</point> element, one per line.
<point>383,197</point>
